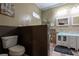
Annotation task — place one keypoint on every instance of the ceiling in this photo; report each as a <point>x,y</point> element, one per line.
<point>45,6</point>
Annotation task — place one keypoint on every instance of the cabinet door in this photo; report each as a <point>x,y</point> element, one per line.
<point>77,41</point>
<point>65,41</point>
<point>40,40</point>
<point>72,42</point>
<point>59,40</point>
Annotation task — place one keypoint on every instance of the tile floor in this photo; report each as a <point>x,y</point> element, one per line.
<point>54,53</point>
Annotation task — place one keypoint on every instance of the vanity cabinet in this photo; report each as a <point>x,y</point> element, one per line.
<point>70,40</point>
<point>34,39</point>
<point>62,40</point>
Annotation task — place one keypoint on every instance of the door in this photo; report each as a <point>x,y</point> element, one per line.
<point>64,41</point>
<point>72,41</point>
<point>40,40</point>
<point>59,40</point>
<point>77,42</point>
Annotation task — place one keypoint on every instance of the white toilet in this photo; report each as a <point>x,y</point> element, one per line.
<point>10,43</point>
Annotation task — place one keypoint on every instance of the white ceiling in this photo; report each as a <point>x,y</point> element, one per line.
<point>45,6</point>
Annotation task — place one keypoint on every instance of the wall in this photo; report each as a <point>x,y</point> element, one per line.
<point>23,13</point>
<point>50,14</point>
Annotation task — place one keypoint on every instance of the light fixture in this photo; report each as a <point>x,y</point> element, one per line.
<point>34,14</point>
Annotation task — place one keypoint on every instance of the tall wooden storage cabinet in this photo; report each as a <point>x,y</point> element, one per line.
<point>35,39</point>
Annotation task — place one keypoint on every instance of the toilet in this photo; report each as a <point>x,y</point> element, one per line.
<point>10,43</point>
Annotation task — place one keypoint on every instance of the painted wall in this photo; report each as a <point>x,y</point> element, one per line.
<point>49,15</point>
<point>23,15</point>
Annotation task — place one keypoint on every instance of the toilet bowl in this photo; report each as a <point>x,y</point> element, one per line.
<point>10,43</point>
<point>17,50</point>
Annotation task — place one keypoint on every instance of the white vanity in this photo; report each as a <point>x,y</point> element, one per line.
<point>68,39</point>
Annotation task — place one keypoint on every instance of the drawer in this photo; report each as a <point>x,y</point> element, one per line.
<point>72,42</point>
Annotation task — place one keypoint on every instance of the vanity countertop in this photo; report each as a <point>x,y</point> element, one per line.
<point>68,33</point>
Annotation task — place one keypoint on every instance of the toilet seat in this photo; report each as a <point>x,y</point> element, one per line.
<point>16,50</point>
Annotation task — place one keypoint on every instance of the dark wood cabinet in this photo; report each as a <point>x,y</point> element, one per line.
<point>35,39</point>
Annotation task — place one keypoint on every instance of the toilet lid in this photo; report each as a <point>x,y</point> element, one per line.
<point>17,48</point>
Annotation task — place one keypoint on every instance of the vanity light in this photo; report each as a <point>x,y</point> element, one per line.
<point>34,14</point>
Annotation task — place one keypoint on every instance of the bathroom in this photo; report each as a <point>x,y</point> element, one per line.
<point>35,27</point>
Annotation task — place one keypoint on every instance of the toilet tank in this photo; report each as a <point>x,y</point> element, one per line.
<point>9,41</point>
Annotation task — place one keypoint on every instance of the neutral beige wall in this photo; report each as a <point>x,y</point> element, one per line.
<point>50,14</point>
<point>22,10</point>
